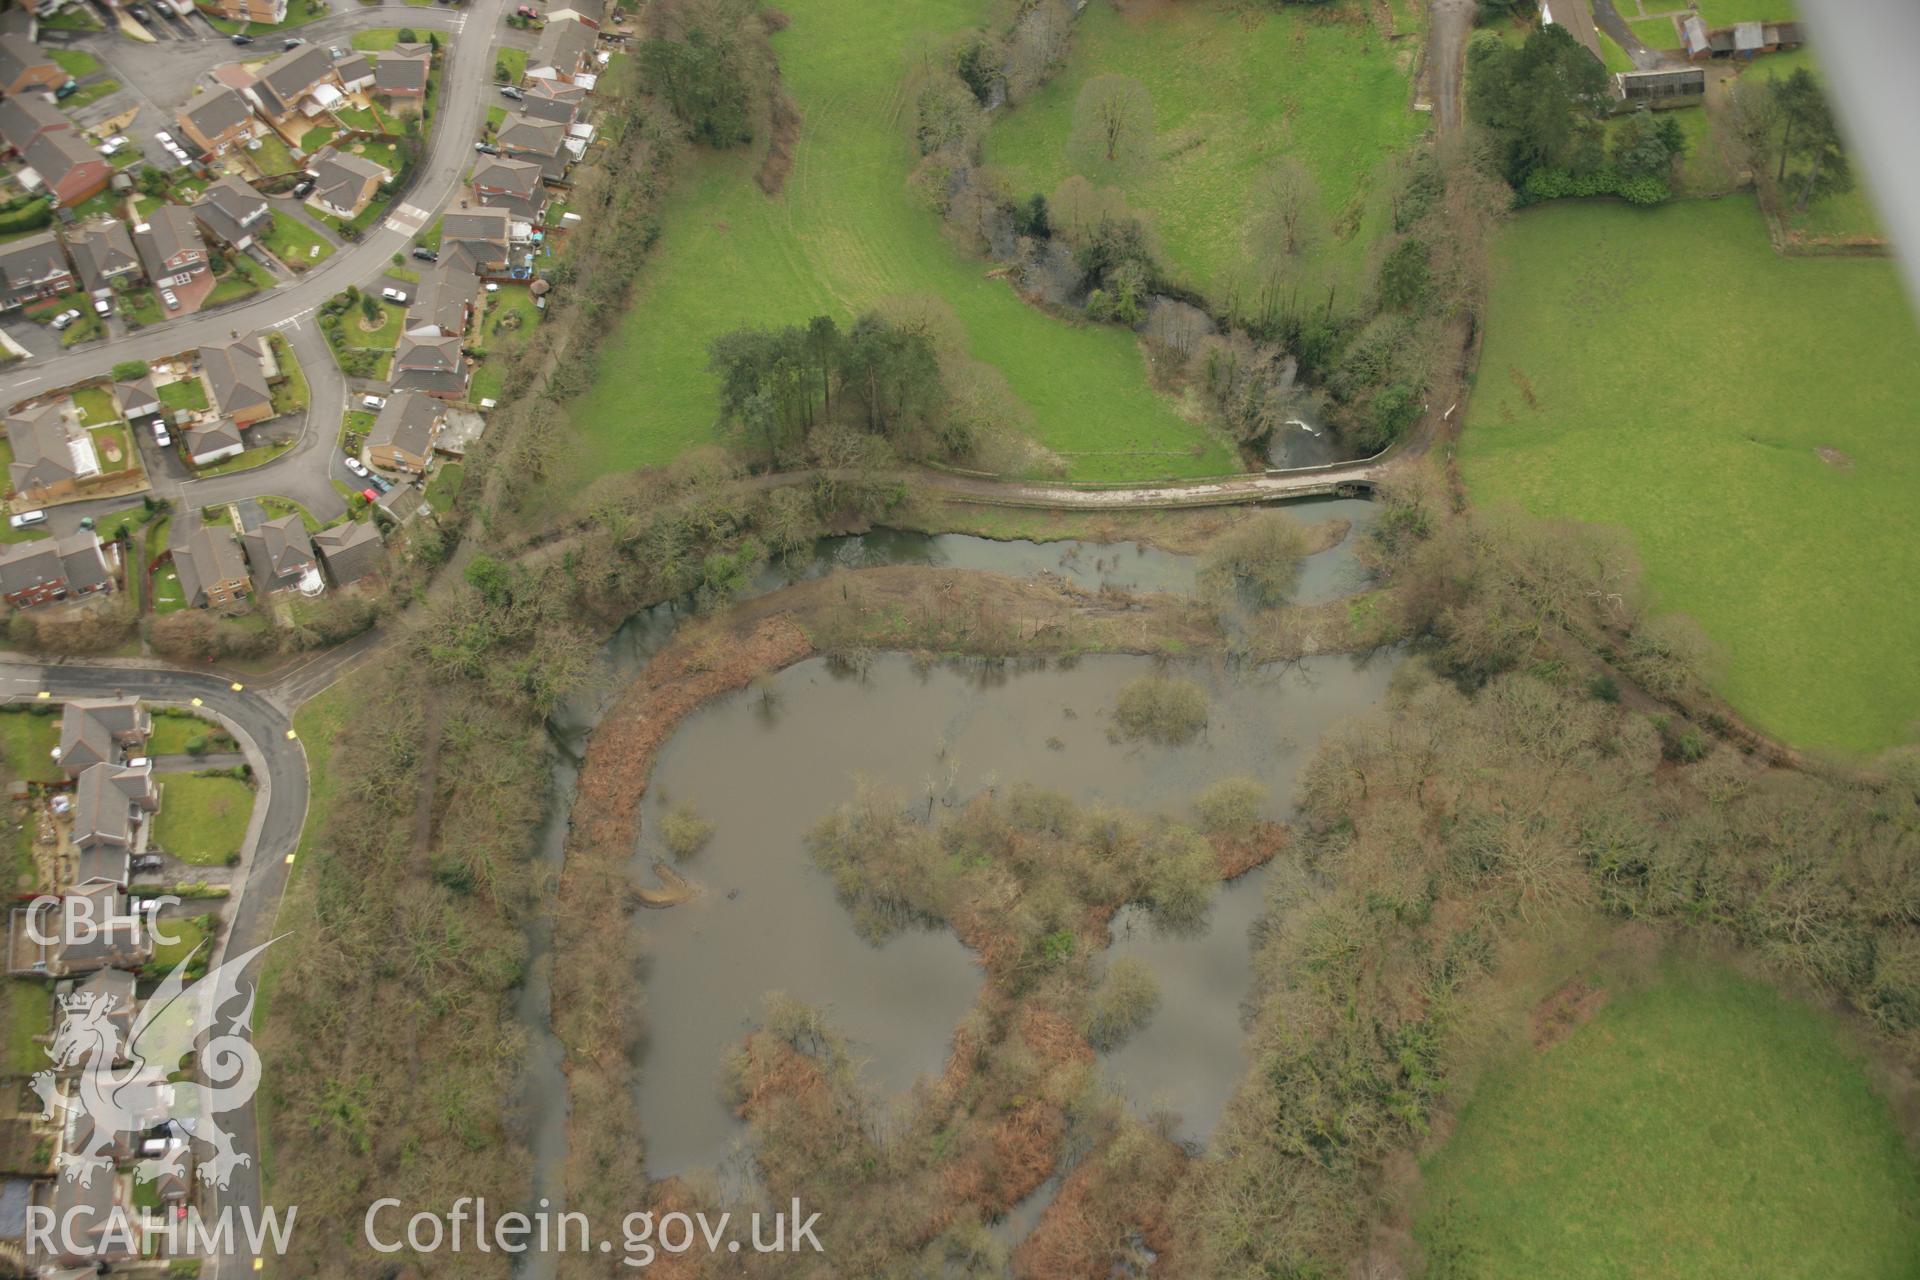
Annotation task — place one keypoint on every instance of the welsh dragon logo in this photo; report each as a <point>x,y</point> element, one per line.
<point>124,1083</point>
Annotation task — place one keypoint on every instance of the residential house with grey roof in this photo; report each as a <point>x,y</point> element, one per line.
<point>541,142</point>
<point>592,12</point>
<point>300,82</point>
<point>50,569</point>
<point>430,364</point>
<point>101,731</point>
<point>403,435</point>
<point>350,551</point>
<point>31,268</point>
<point>281,554</point>
<point>564,52</point>
<point>213,441</point>
<point>175,256</point>
<point>516,185</point>
<point>213,573</point>
<point>24,118</point>
<point>233,213</point>
<point>102,252</point>
<point>122,942</point>
<point>443,301</point>
<point>476,241</point>
<point>343,183</point>
<point>355,71</point>
<point>402,76</point>
<point>51,450</point>
<point>554,100</point>
<point>110,803</point>
<point>25,66</point>
<point>238,374</point>
<point>71,170</point>
<point>217,121</point>
<point>138,397</point>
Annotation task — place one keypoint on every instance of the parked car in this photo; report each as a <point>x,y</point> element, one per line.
<point>164,138</point>
<point>425,254</point>
<point>168,296</point>
<point>68,89</point>
<point>356,466</point>
<point>112,145</point>
<point>509,91</point>
<point>138,10</point>
<point>292,42</point>
<point>301,188</point>
<point>64,319</point>
<point>146,862</point>
<point>103,306</point>
<point>237,38</point>
<point>525,11</point>
<point>379,481</point>
<point>394,295</point>
<point>373,401</point>
<point>371,495</point>
<point>336,53</point>
<point>27,519</point>
<point>160,436</point>
<point>486,148</point>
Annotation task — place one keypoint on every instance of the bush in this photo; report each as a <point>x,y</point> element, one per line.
<point>128,370</point>
<point>1125,1002</point>
<point>1558,184</point>
<point>1258,561</point>
<point>684,832</point>
<point>1231,807</point>
<point>1161,709</point>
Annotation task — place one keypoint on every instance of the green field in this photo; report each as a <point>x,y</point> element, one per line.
<point>1660,33</point>
<point>203,819</point>
<point>1704,1127</point>
<point>1684,378</point>
<point>173,730</point>
<point>1232,92</point>
<point>844,235</point>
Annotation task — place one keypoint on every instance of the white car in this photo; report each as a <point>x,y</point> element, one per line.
<point>358,467</point>
<point>394,295</point>
<point>165,138</point>
<point>103,306</point>
<point>112,145</point>
<point>173,302</point>
<point>160,436</point>
<point>64,319</point>
<point>28,518</point>
<point>374,402</point>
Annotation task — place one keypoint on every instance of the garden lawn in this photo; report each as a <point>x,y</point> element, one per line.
<point>29,1010</point>
<point>1704,1127</point>
<point>1661,33</point>
<point>444,488</point>
<point>1232,93</point>
<point>27,740</point>
<point>380,38</point>
<point>95,404</point>
<point>844,235</point>
<point>295,243</point>
<point>187,393</point>
<point>188,932</point>
<point>203,820</point>
<point>1844,215</point>
<point>1684,378</point>
<point>111,448</point>
<point>172,731</point>
<point>513,62</point>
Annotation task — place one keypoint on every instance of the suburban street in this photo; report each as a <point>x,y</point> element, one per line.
<point>280,769</point>
<point>305,473</point>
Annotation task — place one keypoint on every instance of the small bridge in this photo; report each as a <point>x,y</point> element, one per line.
<point>1339,479</point>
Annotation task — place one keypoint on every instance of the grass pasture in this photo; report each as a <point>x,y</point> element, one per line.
<point>843,235</point>
<point>1705,1126</point>
<point>1748,418</point>
<point>203,819</point>
<point>1232,92</point>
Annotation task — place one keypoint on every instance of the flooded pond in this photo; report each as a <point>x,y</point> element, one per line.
<point>764,765</point>
<point>763,768</point>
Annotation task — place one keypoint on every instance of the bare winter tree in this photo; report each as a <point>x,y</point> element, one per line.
<point>1039,45</point>
<point>1112,121</point>
<point>1286,214</point>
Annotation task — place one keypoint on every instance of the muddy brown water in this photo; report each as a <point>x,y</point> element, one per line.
<point>762,765</point>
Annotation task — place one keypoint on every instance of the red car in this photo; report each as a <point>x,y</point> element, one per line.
<point>371,495</point>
